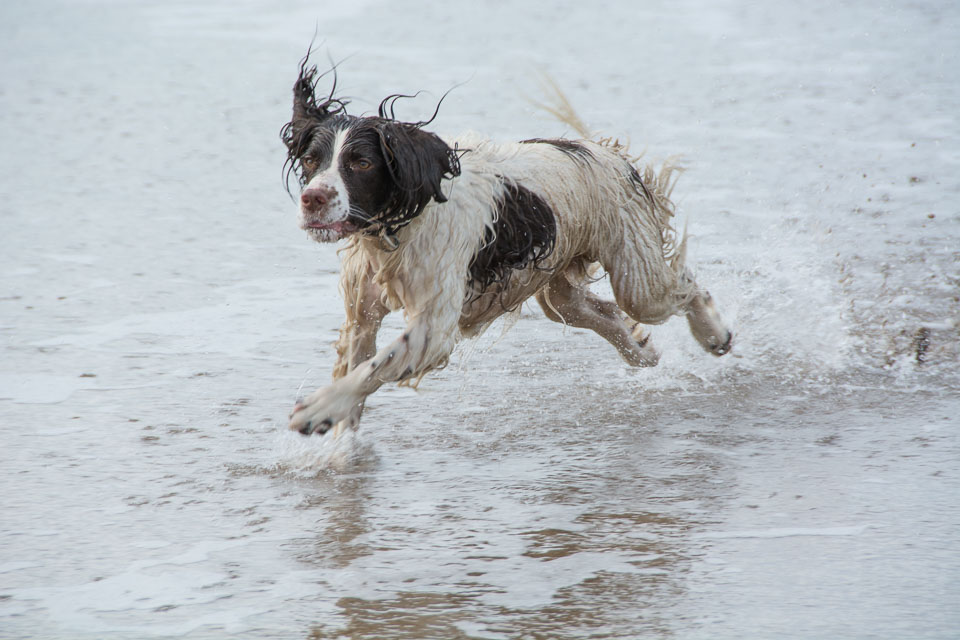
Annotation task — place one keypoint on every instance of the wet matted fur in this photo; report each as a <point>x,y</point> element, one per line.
<point>457,231</point>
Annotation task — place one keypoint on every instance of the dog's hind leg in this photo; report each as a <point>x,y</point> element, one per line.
<point>573,304</point>
<point>655,301</point>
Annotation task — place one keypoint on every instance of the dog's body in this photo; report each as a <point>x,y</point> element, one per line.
<point>457,232</point>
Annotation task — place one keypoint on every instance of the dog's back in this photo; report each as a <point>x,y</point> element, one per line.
<point>588,203</point>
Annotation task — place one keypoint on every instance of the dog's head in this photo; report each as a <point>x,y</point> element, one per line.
<point>370,175</point>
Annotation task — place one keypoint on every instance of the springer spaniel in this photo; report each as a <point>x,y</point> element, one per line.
<point>458,231</point>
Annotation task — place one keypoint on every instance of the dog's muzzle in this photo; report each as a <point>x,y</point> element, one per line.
<point>316,200</point>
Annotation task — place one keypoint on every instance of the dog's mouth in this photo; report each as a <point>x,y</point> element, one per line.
<point>328,231</point>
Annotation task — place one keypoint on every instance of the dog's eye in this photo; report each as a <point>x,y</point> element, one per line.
<point>362,164</point>
<point>308,164</point>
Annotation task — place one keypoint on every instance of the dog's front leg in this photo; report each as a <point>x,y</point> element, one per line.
<point>422,347</point>
<point>358,335</point>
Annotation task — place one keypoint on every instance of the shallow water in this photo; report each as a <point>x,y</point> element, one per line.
<point>160,311</point>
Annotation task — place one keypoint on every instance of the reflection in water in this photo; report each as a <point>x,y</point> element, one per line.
<point>406,615</point>
<point>341,501</point>
<point>620,523</point>
<point>583,536</point>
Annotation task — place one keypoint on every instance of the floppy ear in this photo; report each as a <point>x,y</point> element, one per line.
<point>417,161</point>
<point>303,99</point>
<point>307,112</point>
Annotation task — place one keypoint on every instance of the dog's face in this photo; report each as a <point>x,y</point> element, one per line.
<point>371,175</point>
<point>345,179</point>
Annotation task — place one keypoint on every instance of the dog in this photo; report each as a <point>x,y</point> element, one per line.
<point>458,231</point>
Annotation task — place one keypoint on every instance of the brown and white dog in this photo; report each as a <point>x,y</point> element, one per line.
<point>458,231</point>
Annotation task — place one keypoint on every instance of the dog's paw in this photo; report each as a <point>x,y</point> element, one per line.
<point>718,348</point>
<point>708,327</point>
<point>324,409</point>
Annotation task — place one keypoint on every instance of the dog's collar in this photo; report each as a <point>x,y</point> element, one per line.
<point>389,240</point>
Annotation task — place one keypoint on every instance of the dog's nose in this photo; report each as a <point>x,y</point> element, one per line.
<point>317,198</point>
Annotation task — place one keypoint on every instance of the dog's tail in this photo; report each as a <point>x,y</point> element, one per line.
<point>558,105</point>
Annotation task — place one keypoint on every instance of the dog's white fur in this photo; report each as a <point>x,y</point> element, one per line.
<point>602,218</point>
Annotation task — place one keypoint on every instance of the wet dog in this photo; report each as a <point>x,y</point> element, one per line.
<point>458,231</point>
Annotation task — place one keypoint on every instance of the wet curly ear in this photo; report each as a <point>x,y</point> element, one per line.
<point>417,162</point>
<point>307,110</point>
<point>308,115</point>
